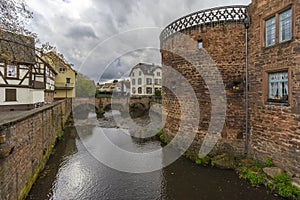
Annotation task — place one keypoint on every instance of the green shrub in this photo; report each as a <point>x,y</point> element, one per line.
<point>158,93</point>
<point>162,137</point>
<point>285,187</point>
<point>255,178</point>
<point>60,135</point>
<point>198,161</point>
<point>269,162</point>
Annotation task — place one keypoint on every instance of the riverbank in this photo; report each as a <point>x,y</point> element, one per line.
<point>258,173</point>
<point>74,173</point>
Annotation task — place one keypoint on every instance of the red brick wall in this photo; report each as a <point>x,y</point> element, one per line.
<point>25,144</point>
<point>49,96</point>
<point>274,127</point>
<point>225,43</point>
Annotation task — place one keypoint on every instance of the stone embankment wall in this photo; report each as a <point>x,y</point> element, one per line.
<point>26,142</point>
<point>275,131</point>
<point>223,48</point>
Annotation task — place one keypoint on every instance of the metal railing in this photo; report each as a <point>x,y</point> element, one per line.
<point>217,15</point>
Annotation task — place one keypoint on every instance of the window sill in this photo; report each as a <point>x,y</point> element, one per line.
<point>278,44</point>
<point>277,103</point>
<point>12,78</point>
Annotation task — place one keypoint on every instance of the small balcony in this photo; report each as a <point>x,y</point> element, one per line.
<point>64,86</point>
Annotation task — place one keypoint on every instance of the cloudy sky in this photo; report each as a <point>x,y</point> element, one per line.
<point>105,38</point>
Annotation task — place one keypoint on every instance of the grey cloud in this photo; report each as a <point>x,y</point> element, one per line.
<point>81,31</point>
<point>113,29</point>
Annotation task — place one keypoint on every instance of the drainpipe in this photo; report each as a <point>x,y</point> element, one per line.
<point>247,25</point>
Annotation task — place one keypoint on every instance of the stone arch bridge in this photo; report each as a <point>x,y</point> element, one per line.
<point>99,105</point>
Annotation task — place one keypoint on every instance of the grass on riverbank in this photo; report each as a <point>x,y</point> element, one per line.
<point>251,170</point>
<point>281,183</point>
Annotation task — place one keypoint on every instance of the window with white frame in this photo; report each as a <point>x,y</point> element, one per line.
<point>285,25</point>
<point>156,81</point>
<point>133,81</point>
<point>270,31</point>
<point>149,81</point>
<point>11,71</point>
<point>62,69</point>
<point>149,90</point>
<point>133,90</point>
<point>140,73</point>
<point>157,73</point>
<point>140,81</point>
<point>278,87</point>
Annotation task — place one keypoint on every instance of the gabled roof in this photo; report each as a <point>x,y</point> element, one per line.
<point>56,61</point>
<point>16,48</point>
<point>48,65</point>
<point>147,69</point>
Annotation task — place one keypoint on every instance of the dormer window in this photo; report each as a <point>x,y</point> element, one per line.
<point>62,69</point>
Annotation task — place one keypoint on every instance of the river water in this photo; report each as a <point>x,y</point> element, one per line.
<point>73,173</point>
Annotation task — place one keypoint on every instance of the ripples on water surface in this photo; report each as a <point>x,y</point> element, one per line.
<point>73,173</point>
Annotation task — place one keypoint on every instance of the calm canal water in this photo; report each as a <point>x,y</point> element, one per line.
<point>73,173</point>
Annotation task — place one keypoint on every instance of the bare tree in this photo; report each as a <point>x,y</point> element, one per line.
<point>14,14</point>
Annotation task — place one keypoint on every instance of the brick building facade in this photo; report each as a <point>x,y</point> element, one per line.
<point>273,55</point>
<point>275,118</point>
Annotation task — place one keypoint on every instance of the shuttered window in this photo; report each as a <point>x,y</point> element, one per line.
<point>10,95</point>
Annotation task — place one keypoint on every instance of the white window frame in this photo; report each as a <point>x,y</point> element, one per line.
<point>149,81</point>
<point>12,71</point>
<point>270,31</point>
<point>285,25</point>
<point>139,81</point>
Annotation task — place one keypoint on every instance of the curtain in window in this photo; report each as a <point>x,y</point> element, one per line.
<point>278,86</point>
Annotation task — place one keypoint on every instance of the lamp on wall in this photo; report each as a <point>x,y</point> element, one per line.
<point>247,22</point>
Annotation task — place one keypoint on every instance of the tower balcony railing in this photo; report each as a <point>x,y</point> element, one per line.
<point>218,15</point>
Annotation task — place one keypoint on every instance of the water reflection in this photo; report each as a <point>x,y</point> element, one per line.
<point>73,173</point>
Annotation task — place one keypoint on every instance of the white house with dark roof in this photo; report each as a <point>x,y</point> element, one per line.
<point>145,79</point>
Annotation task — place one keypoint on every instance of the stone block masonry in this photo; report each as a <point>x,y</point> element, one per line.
<point>26,142</point>
<point>225,45</point>
<point>274,126</point>
<point>274,76</point>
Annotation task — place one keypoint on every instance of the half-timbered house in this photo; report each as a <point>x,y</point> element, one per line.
<point>24,77</point>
